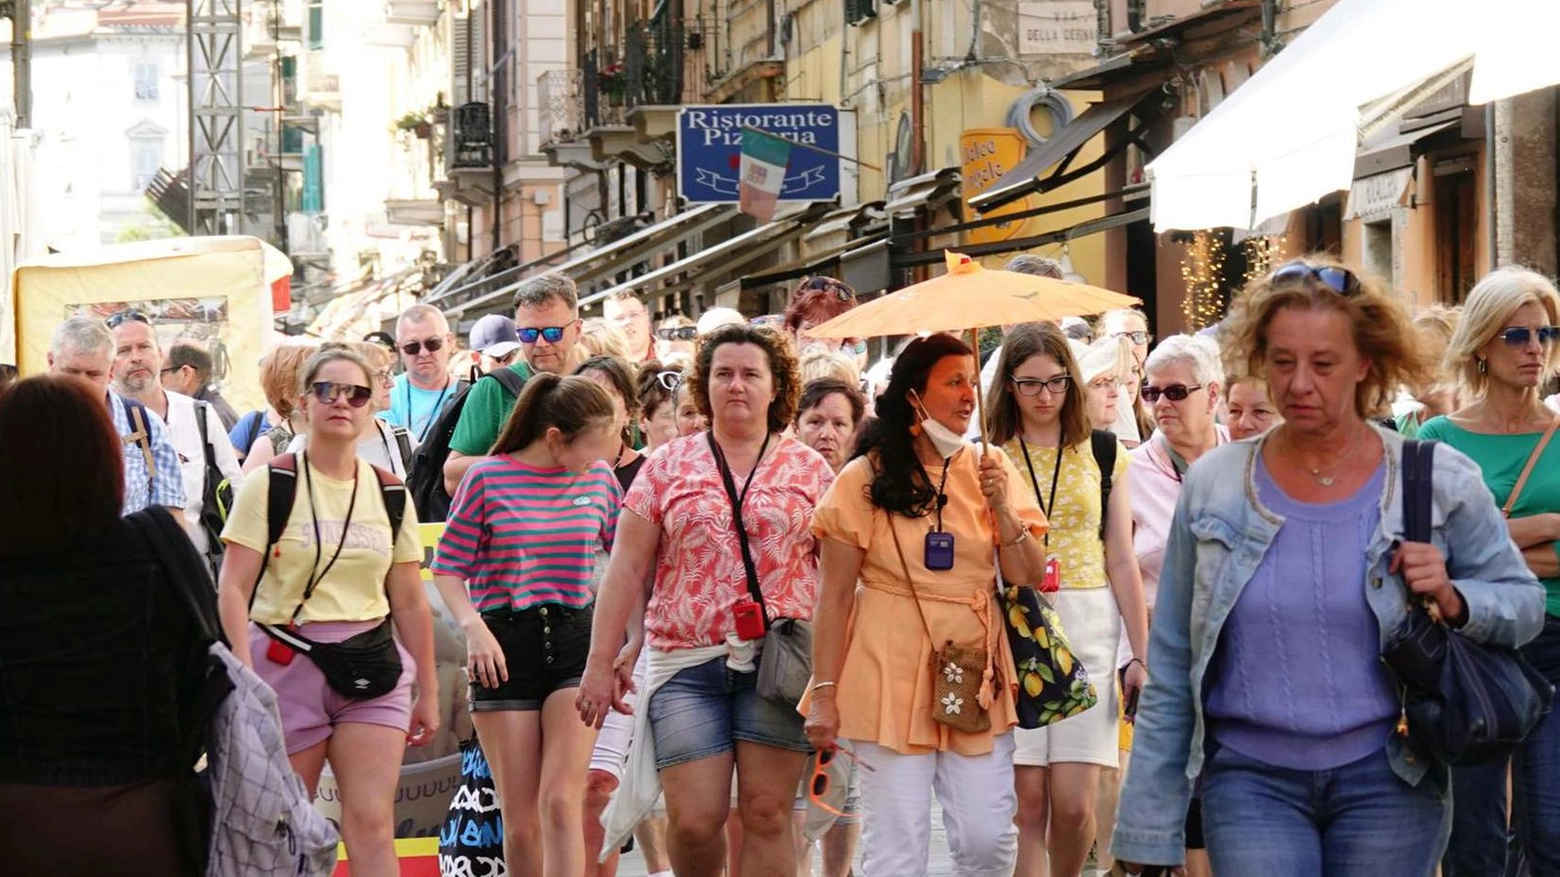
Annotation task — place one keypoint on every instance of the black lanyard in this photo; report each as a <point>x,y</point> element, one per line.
<point>942,496</point>
<point>433,414</point>
<point>315,579</point>
<point>1056,473</point>
<point>737,499</point>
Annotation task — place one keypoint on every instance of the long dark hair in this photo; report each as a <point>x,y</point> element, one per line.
<point>1026,341</point>
<point>573,404</point>
<point>901,484</point>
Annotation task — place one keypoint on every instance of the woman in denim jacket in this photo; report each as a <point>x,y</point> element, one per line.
<point>1279,588</point>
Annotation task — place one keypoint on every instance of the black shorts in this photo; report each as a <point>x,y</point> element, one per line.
<point>545,648</point>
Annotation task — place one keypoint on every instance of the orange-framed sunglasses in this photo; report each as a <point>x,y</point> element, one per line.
<point>818,786</point>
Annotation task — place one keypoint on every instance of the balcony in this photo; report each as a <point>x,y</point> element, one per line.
<point>321,86</point>
<point>418,13</point>
<point>468,155</point>
<point>654,67</point>
<point>560,98</point>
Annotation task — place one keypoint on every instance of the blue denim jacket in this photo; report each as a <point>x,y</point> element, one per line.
<point>1217,538</point>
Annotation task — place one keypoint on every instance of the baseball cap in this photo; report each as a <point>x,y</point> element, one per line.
<point>494,335</point>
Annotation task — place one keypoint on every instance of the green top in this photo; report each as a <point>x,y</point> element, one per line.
<point>481,420</point>
<point>1502,457</point>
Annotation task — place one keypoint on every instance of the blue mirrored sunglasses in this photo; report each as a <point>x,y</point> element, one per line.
<point>1339,280</point>
<point>553,334</point>
<point>1519,336</point>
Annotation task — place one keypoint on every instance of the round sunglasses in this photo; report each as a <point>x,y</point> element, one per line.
<point>327,392</point>
<point>1174,392</point>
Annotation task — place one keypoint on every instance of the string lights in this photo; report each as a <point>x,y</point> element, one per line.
<point>1202,270</point>
<point>1261,252</point>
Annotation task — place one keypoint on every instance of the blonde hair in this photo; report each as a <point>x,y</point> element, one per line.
<point>600,338</point>
<point>1490,304</point>
<point>817,364</point>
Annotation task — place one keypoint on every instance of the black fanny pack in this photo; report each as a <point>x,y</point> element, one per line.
<point>361,667</point>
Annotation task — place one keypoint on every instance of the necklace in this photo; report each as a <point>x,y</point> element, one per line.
<point>1331,470</point>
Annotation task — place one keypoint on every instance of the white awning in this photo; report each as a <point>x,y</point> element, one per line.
<point>1290,134</point>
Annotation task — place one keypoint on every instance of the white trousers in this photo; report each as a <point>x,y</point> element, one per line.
<point>978,804</point>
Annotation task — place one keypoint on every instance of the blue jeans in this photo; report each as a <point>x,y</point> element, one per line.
<point>1359,820</point>
<point>1536,768</point>
<point>1477,847</point>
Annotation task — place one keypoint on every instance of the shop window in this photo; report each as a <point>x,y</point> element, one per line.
<point>1456,231</point>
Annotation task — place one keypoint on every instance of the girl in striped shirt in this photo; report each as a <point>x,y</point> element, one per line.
<point>515,566</point>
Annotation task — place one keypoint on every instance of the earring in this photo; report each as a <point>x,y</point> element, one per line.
<point>1484,366</point>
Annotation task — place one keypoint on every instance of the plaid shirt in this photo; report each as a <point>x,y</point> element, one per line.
<point>164,485</point>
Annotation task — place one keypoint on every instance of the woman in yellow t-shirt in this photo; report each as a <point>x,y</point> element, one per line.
<point>337,572</point>
<point>1038,413</point>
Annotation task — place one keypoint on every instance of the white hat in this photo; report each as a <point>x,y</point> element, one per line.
<point>1108,355</point>
<point>714,318</point>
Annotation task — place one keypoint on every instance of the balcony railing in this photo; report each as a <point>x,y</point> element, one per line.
<point>471,137</point>
<point>654,62</point>
<point>560,98</point>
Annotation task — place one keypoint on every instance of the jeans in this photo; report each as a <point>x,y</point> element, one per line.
<point>1536,768</point>
<point>702,712</point>
<point>1358,820</point>
<point>1478,843</point>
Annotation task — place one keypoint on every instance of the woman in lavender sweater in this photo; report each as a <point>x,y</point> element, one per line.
<point>1284,569</point>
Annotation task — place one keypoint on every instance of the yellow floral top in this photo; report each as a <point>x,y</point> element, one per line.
<point>1075,522</point>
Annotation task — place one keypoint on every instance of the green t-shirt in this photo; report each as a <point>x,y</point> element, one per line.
<point>1503,457</point>
<point>481,420</point>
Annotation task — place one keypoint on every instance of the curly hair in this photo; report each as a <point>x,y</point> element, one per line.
<point>901,484</point>
<point>1382,332</point>
<point>782,368</point>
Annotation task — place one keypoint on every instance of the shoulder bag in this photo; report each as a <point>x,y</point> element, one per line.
<point>1464,702</point>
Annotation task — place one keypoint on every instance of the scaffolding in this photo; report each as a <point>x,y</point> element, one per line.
<point>216,179</point>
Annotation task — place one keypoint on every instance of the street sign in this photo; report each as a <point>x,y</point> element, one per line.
<point>1057,27</point>
<point>709,148</point>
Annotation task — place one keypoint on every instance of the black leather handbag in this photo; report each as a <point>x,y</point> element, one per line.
<point>1465,703</point>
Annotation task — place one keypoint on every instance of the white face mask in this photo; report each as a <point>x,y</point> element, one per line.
<point>946,441</point>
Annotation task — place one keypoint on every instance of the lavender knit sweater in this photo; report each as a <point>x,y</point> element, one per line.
<point>1297,679</point>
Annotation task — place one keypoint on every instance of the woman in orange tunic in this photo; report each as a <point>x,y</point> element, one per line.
<point>873,684</point>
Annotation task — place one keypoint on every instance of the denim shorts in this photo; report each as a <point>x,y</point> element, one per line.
<point>702,711</point>
<point>545,648</point>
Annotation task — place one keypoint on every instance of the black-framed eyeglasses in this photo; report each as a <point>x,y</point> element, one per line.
<point>413,348</point>
<point>1339,280</point>
<point>170,368</point>
<point>1137,337</point>
<point>129,315</point>
<point>327,392</point>
<point>1520,336</point>
<point>669,380</point>
<point>679,333</point>
<point>1174,392</point>
<point>553,334</point>
<point>1032,386</point>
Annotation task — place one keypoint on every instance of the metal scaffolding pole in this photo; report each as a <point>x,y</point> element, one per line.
<point>20,13</point>
<point>216,116</point>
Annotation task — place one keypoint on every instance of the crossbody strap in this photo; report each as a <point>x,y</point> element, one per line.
<point>1538,451</point>
<point>909,580</point>
<point>736,517</point>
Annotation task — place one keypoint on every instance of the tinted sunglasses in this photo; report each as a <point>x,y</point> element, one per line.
<point>1519,336</point>
<point>681,333</point>
<point>669,380</point>
<point>818,786</point>
<point>1174,392</point>
<point>327,392</point>
<point>1138,337</point>
<point>553,334</point>
<point>1339,280</point>
<point>840,290</point>
<point>412,348</point>
<point>1033,386</point>
<point>119,318</point>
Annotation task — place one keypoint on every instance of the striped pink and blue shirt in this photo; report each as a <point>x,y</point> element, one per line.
<point>522,537</point>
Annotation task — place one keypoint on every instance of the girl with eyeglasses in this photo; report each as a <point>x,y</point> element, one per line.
<point>1503,352</point>
<point>1038,414</point>
<point>337,572</point>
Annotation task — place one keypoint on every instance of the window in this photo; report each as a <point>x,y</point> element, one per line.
<point>146,157</point>
<point>146,75</point>
<point>316,25</point>
<point>1378,250</point>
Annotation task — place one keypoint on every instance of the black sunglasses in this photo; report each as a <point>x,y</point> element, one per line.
<point>1339,280</point>
<point>327,392</point>
<point>553,334</point>
<point>1174,392</point>
<point>131,315</point>
<point>681,333</point>
<point>412,348</point>
<point>841,291</point>
<point>1519,336</point>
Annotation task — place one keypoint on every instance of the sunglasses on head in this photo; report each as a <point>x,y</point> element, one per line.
<point>1339,280</point>
<point>131,315</point>
<point>553,334</point>
<point>841,291</point>
<point>413,348</point>
<point>1174,392</point>
<point>1520,336</point>
<point>1033,386</point>
<point>669,380</point>
<point>327,392</point>
<point>818,786</point>
<point>681,333</point>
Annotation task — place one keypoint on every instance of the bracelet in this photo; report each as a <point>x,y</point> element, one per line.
<point>818,685</point>
<point>1136,661</point>
<point>1022,535</point>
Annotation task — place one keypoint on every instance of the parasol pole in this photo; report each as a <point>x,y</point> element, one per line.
<point>980,403</point>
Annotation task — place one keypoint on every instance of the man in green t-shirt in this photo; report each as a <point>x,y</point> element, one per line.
<point>547,319</point>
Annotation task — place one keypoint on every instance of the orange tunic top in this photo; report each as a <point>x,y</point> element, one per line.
<point>885,688</point>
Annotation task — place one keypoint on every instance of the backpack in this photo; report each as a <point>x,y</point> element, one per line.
<point>1103,443</point>
<point>137,416</point>
<point>426,481</point>
<point>403,445</point>
<point>282,490</point>
<point>218,496</point>
<point>262,821</point>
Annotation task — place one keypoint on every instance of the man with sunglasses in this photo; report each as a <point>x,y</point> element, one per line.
<point>547,320</point>
<point>138,367</point>
<point>83,347</point>
<point>423,337</point>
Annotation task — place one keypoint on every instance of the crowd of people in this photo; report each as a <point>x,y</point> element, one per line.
<point>728,591</point>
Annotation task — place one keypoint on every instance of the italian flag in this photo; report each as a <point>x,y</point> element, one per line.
<point>764,159</point>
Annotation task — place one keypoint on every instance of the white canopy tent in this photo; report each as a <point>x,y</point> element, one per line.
<point>1288,136</point>
<point>21,226</point>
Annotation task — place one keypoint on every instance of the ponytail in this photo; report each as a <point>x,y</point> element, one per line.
<point>572,405</point>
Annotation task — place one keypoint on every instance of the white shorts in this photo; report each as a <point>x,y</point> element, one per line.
<point>1092,624</point>
<point>617,732</point>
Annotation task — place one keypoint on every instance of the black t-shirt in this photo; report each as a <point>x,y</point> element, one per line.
<point>627,472</point>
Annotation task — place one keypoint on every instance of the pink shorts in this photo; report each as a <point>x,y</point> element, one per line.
<point>309,706</point>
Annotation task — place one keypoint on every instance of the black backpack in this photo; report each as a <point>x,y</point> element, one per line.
<point>425,479</point>
<point>218,497</point>
<point>1103,443</point>
<point>282,490</point>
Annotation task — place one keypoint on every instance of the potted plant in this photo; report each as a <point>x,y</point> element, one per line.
<point>613,80</point>
<point>417,123</point>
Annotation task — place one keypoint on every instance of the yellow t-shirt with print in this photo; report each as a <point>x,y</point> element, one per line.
<point>354,587</point>
<point>1075,521</point>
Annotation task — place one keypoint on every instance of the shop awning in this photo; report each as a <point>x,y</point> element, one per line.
<point>823,261</point>
<point>720,259</point>
<point>1392,150</point>
<point>1035,174</point>
<point>1291,133</point>
<point>927,191</point>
